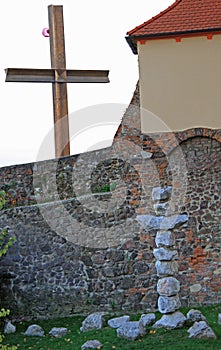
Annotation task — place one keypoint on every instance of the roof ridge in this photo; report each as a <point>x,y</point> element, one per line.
<point>155,17</point>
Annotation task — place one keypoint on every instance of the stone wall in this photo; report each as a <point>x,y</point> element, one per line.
<point>79,245</point>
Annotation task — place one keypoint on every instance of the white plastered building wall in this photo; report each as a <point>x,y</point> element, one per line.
<point>180,83</point>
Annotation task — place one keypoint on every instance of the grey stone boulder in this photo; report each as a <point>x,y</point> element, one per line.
<point>201,330</point>
<point>150,222</point>
<point>131,330</point>
<point>34,331</point>
<point>118,321</point>
<point>147,319</point>
<point>165,239</point>
<point>168,286</point>
<point>173,221</point>
<point>93,321</point>
<point>161,194</point>
<point>146,155</point>
<point>219,319</point>
<point>195,288</point>
<point>58,332</point>
<point>167,305</point>
<point>92,344</point>
<point>166,268</point>
<point>9,328</point>
<point>165,254</point>
<point>161,208</point>
<point>171,321</point>
<point>195,316</point>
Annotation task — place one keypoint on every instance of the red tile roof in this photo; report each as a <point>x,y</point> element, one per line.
<point>183,16</point>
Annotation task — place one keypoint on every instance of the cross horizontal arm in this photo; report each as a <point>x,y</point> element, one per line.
<point>29,75</point>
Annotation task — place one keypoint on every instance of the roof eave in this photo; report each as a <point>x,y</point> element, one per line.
<point>132,39</point>
<point>132,43</point>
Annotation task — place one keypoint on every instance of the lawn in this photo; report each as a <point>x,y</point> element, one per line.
<point>160,340</point>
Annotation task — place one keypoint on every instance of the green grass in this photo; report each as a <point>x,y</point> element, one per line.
<point>161,340</point>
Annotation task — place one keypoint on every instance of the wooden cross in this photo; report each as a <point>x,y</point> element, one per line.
<point>59,76</point>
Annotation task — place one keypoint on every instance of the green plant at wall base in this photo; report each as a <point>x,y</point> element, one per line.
<point>2,199</point>
<point>3,313</point>
<point>5,243</point>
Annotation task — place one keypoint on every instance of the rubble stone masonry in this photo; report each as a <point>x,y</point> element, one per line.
<point>79,246</point>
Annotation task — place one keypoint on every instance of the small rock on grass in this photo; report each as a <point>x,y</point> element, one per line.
<point>201,330</point>
<point>118,321</point>
<point>9,328</point>
<point>171,321</point>
<point>35,331</point>
<point>219,319</point>
<point>58,332</point>
<point>195,316</point>
<point>147,319</point>
<point>131,330</point>
<point>93,321</point>
<point>92,344</point>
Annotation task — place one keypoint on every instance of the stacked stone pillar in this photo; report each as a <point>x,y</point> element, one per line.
<point>166,255</point>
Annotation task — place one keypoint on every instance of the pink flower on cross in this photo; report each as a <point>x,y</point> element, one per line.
<point>45,32</point>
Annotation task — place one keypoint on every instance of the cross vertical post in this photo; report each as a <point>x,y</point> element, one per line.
<point>58,62</point>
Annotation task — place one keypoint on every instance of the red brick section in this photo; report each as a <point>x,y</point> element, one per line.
<point>199,256</point>
<point>183,16</point>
